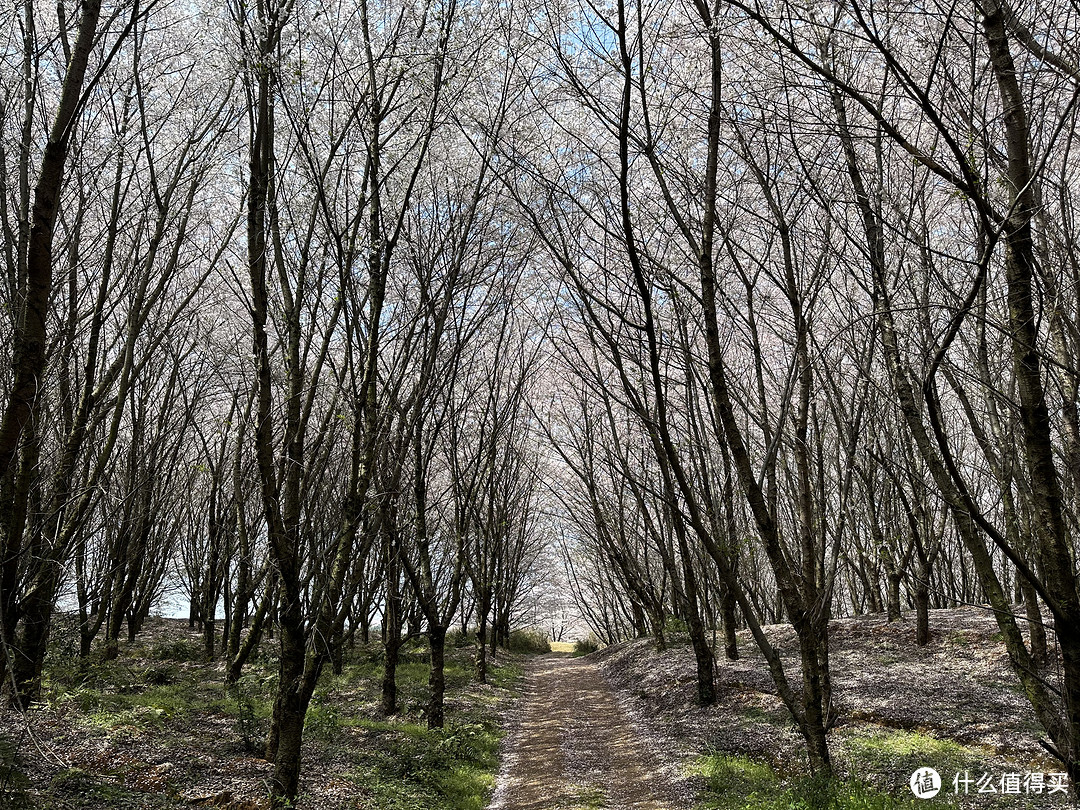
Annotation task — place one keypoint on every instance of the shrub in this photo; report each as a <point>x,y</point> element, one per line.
<point>458,640</point>
<point>250,712</point>
<point>179,650</point>
<point>584,646</point>
<point>673,624</point>
<point>13,781</point>
<point>158,676</point>
<point>531,642</point>
<point>322,722</point>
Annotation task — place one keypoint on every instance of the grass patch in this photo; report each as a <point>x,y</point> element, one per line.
<point>774,717</point>
<point>740,783</point>
<point>159,696</point>
<point>507,675</point>
<point>902,752</point>
<point>111,695</point>
<point>959,638</point>
<point>529,642</point>
<point>731,778</point>
<point>13,780</point>
<point>150,705</point>
<point>810,793</point>
<point>405,766</point>
<point>92,790</point>
<point>398,763</point>
<point>584,646</point>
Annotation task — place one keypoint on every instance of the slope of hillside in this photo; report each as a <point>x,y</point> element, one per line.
<point>954,705</point>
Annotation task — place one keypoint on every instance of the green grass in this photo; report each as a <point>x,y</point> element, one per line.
<point>584,646</point>
<point>896,751</point>
<point>406,766</point>
<point>776,716</point>
<point>90,789</point>
<point>735,782</point>
<point>833,794</point>
<point>161,692</point>
<point>529,642</point>
<point>13,781</point>
<point>959,638</point>
<point>507,675</point>
<point>731,778</point>
<point>398,763</point>
<point>113,694</point>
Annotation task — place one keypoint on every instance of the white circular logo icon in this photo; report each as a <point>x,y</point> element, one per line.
<point>925,783</point>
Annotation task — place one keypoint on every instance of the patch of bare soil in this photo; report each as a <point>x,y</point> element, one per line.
<point>575,747</point>
<point>955,704</point>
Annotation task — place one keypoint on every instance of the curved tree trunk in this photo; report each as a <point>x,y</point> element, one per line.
<point>28,360</point>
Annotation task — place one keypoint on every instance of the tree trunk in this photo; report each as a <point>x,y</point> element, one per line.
<point>813,645</point>
<point>28,355</point>
<point>251,642</point>
<point>481,646</point>
<point>209,637</point>
<point>922,610</point>
<point>1048,520</point>
<point>893,577</point>
<point>437,680</point>
<point>727,617</point>
<point>705,661</point>
<point>389,678</point>
<point>337,653</point>
<point>297,679</point>
<point>34,639</point>
<point>134,625</point>
<point>391,630</point>
<point>1036,630</point>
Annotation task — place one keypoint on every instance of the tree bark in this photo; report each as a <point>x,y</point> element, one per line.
<point>28,358</point>
<point>436,713</point>
<point>251,641</point>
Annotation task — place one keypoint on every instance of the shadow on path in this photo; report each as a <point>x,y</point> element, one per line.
<point>574,748</point>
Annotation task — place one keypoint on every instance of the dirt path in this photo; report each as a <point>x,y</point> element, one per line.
<point>574,747</point>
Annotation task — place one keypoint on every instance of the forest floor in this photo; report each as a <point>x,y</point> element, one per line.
<point>954,705</point>
<point>616,730</point>
<point>156,729</point>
